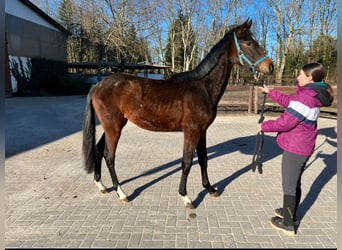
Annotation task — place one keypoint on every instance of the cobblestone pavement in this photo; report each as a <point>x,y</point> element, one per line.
<point>51,202</point>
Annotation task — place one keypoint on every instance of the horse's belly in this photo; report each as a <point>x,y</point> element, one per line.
<point>156,123</point>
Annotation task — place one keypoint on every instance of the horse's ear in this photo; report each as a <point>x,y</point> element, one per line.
<point>245,26</point>
<point>249,23</point>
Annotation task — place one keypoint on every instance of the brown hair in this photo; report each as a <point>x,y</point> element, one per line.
<point>315,70</point>
<point>331,92</point>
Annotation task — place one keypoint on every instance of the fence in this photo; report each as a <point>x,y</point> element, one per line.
<point>249,99</point>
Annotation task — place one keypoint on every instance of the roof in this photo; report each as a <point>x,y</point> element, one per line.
<point>45,16</point>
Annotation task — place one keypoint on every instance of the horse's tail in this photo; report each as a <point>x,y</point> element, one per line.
<point>89,148</point>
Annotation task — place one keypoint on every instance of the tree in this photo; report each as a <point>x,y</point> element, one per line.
<point>181,32</point>
<point>136,48</point>
<point>175,51</point>
<point>188,36</point>
<point>327,16</point>
<point>67,15</point>
<point>122,21</point>
<point>324,49</point>
<point>296,58</point>
<point>289,23</point>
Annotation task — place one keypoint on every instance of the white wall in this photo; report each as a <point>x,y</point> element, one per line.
<point>18,9</point>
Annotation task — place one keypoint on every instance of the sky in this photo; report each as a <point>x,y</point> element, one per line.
<point>51,8</point>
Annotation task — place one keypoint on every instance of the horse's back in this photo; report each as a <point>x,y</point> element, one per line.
<point>149,103</point>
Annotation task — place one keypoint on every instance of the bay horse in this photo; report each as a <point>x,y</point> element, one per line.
<point>185,102</point>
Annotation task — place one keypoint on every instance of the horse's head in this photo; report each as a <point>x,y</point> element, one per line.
<point>248,50</point>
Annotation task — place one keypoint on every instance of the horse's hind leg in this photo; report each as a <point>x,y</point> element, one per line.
<point>203,162</point>
<point>112,138</point>
<point>97,170</point>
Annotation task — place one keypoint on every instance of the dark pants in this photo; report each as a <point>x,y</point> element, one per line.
<point>292,168</point>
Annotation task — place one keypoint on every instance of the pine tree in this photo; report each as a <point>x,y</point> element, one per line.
<point>175,52</point>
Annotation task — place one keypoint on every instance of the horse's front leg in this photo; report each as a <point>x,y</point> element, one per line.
<point>203,162</point>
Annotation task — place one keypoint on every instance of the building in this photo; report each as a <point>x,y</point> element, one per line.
<point>31,33</point>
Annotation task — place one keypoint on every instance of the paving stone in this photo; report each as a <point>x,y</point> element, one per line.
<point>52,203</point>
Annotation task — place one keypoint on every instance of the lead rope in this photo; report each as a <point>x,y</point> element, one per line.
<point>259,143</point>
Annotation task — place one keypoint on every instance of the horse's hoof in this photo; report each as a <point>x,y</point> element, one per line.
<point>214,194</point>
<point>124,200</point>
<point>189,206</point>
<point>104,191</point>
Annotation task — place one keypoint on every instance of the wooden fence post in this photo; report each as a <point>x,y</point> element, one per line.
<point>250,99</point>
<point>256,99</point>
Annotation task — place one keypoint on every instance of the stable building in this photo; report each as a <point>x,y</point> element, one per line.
<point>31,33</point>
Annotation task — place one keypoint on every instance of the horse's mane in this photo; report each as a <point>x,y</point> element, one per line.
<point>208,63</point>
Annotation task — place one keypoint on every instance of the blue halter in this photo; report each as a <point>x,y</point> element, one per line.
<point>242,56</point>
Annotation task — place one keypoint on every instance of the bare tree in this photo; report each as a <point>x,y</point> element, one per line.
<point>222,14</point>
<point>280,26</point>
<point>327,16</point>
<point>151,27</point>
<point>289,23</point>
<point>119,18</point>
<point>167,14</point>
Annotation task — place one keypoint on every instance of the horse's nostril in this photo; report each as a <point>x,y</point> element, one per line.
<point>271,68</point>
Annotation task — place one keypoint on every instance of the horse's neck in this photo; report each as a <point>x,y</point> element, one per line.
<point>218,79</point>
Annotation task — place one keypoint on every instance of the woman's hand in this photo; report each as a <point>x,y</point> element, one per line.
<point>264,89</point>
<point>259,129</point>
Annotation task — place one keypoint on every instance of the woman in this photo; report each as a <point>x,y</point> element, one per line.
<point>297,133</point>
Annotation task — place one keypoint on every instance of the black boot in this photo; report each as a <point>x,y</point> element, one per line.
<point>298,197</point>
<point>285,224</point>
<point>280,211</point>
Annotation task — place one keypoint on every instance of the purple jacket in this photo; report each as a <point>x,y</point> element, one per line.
<point>297,126</point>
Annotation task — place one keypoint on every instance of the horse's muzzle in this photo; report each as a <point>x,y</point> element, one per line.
<point>271,68</point>
<point>266,67</point>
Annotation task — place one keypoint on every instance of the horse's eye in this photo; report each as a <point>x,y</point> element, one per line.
<point>249,43</point>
